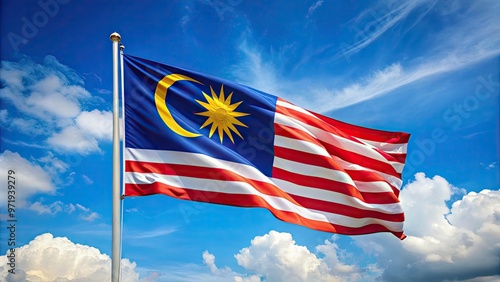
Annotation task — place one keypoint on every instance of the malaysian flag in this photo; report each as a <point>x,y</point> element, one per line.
<point>196,137</point>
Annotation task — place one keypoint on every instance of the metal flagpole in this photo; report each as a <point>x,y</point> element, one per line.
<point>116,236</point>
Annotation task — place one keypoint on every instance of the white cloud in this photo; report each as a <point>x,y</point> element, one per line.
<point>83,137</point>
<point>276,257</point>
<point>478,212</point>
<point>89,216</point>
<point>98,124</point>
<point>30,178</point>
<point>58,259</point>
<point>209,260</point>
<point>86,214</point>
<point>252,278</point>
<point>50,98</point>
<point>28,126</point>
<point>443,244</point>
<point>491,165</point>
<point>72,139</point>
<point>185,273</point>
<point>42,91</point>
<point>461,243</point>
<point>53,165</point>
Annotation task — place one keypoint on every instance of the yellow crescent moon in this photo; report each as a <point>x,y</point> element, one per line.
<point>161,106</point>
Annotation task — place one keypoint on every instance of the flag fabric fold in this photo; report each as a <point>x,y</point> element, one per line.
<point>196,137</point>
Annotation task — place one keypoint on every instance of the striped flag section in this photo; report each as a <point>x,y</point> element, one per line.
<point>326,175</point>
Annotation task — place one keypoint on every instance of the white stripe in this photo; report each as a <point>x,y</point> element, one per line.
<point>301,145</point>
<point>332,174</point>
<point>293,107</point>
<point>373,186</point>
<point>287,121</point>
<point>393,180</point>
<point>194,159</point>
<point>390,148</point>
<point>182,158</point>
<point>335,197</point>
<point>311,170</point>
<point>386,147</point>
<point>278,203</point>
<point>337,141</point>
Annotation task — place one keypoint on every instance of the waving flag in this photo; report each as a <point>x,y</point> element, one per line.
<point>200,138</point>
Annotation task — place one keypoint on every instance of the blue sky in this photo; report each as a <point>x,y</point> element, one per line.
<point>429,68</point>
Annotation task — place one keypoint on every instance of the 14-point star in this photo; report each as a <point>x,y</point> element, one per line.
<point>221,114</point>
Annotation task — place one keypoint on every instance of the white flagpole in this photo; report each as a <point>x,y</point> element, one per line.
<point>116,236</point>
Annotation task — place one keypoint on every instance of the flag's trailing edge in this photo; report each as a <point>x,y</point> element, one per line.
<point>196,137</point>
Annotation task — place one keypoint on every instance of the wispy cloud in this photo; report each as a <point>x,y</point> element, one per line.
<point>470,41</point>
<point>460,46</point>
<point>147,234</point>
<point>56,207</point>
<point>491,165</point>
<point>86,214</point>
<point>51,209</point>
<point>92,229</point>
<point>371,24</point>
<point>87,180</point>
<point>313,8</point>
<point>24,144</point>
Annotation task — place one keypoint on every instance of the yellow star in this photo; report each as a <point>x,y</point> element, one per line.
<point>221,114</point>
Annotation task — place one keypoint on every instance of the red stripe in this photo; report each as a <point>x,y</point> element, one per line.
<point>346,209</point>
<point>359,131</point>
<point>368,133</point>
<point>306,158</point>
<point>362,160</point>
<point>335,186</point>
<point>291,113</point>
<point>204,173</point>
<point>370,176</point>
<point>265,188</point>
<point>346,155</point>
<point>291,132</point>
<point>325,162</point>
<point>398,157</point>
<point>321,161</point>
<point>244,200</point>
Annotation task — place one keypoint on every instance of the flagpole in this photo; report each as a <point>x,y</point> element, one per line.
<point>115,229</point>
